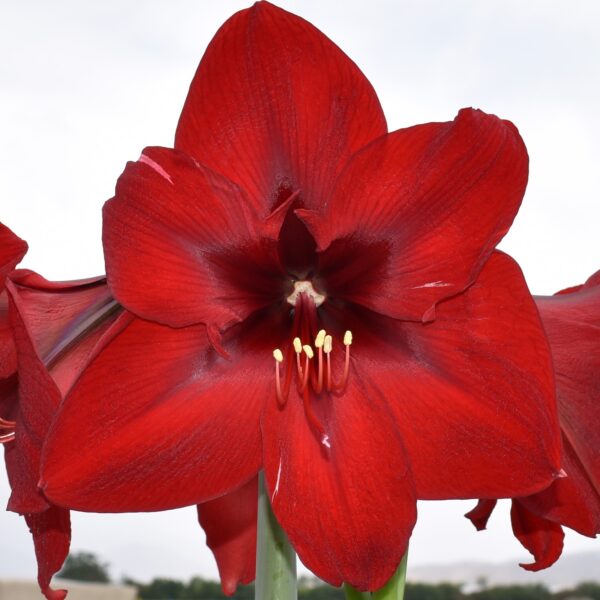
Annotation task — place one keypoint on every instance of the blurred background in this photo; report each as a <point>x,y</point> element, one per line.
<point>85,86</point>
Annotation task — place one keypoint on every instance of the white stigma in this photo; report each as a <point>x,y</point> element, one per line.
<point>305,287</point>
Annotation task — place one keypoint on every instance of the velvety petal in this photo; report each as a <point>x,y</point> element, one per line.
<point>51,531</point>
<point>182,245</point>
<point>472,392</point>
<point>480,515</point>
<point>55,328</point>
<point>230,526</point>
<point>8,356</point>
<point>417,213</point>
<point>344,495</point>
<point>543,538</point>
<point>159,420</point>
<point>12,250</point>
<point>572,323</point>
<point>275,105</point>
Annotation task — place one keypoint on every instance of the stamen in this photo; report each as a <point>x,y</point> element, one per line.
<point>298,350</point>
<point>278,356</point>
<point>309,354</point>
<point>327,348</point>
<point>347,343</point>
<point>319,341</point>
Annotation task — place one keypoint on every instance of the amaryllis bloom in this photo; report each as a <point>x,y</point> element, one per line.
<point>572,321</point>
<point>56,326</point>
<point>314,297</point>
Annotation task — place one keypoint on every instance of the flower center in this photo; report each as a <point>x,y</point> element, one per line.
<point>7,431</point>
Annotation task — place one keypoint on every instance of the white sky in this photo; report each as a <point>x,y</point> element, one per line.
<point>85,86</point>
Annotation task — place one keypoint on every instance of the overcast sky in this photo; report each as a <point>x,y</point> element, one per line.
<point>84,86</point>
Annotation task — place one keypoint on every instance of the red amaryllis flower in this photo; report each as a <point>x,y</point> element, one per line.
<point>56,326</point>
<point>286,217</point>
<point>572,321</point>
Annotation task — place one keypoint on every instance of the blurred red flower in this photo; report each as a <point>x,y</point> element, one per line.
<point>572,322</point>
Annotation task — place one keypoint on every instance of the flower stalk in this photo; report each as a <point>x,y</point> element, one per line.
<point>275,557</point>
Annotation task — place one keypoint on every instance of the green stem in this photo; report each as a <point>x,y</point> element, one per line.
<point>353,594</point>
<point>275,557</point>
<point>394,588</point>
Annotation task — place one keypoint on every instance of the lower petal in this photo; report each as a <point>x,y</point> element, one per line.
<point>472,391</point>
<point>159,420</point>
<point>543,538</point>
<point>480,515</point>
<point>344,495</point>
<point>51,531</point>
<point>230,526</point>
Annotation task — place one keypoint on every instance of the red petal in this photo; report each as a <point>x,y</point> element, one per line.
<point>12,250</point>
<point>274,104</point>
<point>541,537</point>
<point>440,197</point>
<point>51,531</point>
<point>345,500</point>
<point>480,515</point>
<point>158,420</point>
<point>571,500</point>
<point>8,357</point>
<point>472,392</point>
<point>230,526</point>
<point>182,246</point>
<point>572,323</point>
<point>56,328</point>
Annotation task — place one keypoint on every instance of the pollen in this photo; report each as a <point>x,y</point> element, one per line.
<point>320,339</point>
<point>328,344</point>
<point>308,351</point>
<point>348,338</point>
<point>278,355</point>
<point>297,345</point>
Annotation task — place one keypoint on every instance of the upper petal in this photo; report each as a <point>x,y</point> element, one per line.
<point>416,214</point>
<point>230,526</point>
<point>182,245</point>
<point>346,500</point>
<point>158,420</point>
<point>275,104</point>
<point>472,392</point>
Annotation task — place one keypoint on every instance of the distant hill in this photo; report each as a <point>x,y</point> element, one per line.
<point>569,571</point>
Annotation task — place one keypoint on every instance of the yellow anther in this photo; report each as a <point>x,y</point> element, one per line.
<point>308,351</point>
<point>348,338</point>
<point>278,355</point>
<point>320,339</point>
<point>327,344</point>
<point>297,345</point>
